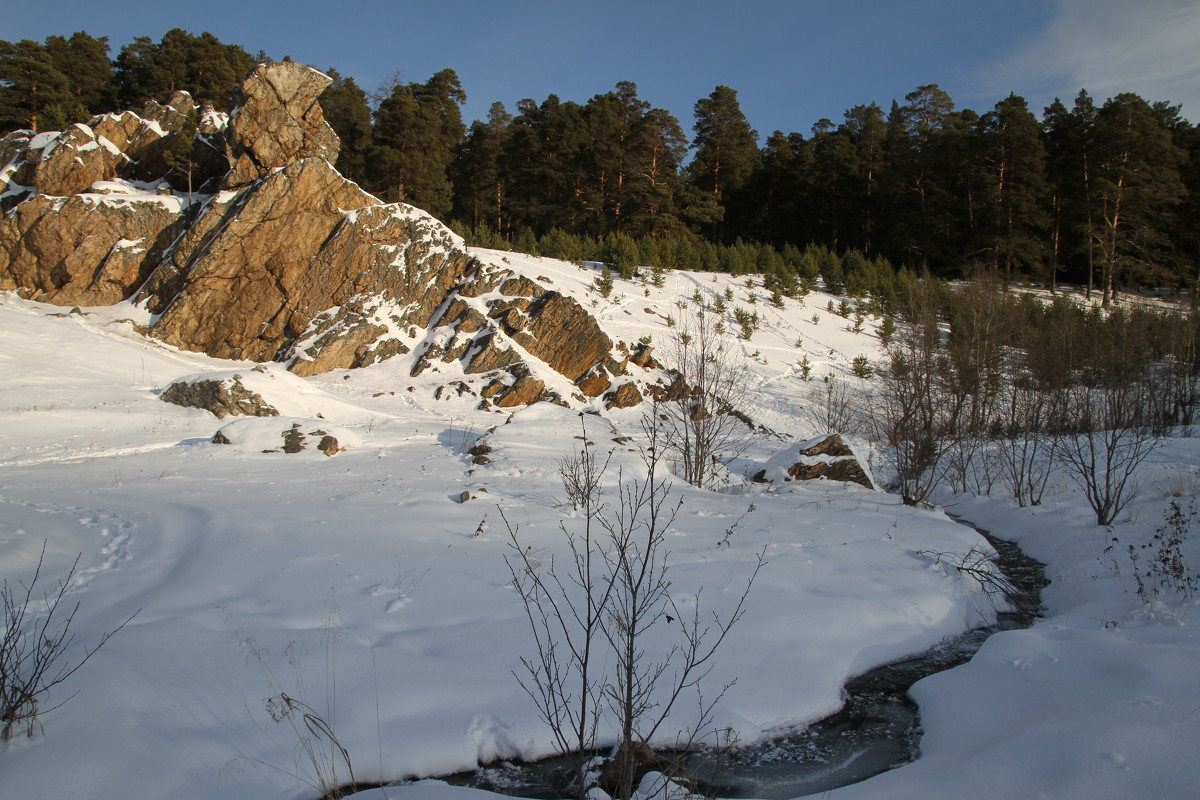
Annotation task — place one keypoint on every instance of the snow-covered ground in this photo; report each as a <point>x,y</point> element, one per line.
<point>362,583</point>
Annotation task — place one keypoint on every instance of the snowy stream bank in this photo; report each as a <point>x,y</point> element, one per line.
<point>877,729</point>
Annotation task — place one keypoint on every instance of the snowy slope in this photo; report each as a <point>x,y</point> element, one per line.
<point>364,585</point>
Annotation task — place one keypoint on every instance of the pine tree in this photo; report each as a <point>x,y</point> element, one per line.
<point>1016,197</point>
<point>34,94</point>
<point>480,197</point>
<point>84,62</point>
<point>417,131</point>
<point>180,152</point>
<point>1138,185</point>
<point>726,148</point>
<point>345,107</point>
<point>541,165</point>
<point>201,65</point>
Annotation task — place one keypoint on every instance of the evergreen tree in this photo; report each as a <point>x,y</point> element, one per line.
<point>345,107</point>
<point>1139,187</point>
<point>657,203</point>
<point>83,60</point>
<point>541,165</point>
<point>180,152</point>
<point>201,65</point>
<point>726,148</point>
<point>417,131</point>
<point>480,197</point>
<point>34,93</point>
<point>1014,156</point>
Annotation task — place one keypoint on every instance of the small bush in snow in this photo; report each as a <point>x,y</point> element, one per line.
<point>34,654</point>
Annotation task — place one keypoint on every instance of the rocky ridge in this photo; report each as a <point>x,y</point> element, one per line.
<point>277,256</point>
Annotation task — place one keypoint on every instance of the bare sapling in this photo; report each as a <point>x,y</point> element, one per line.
<point>593,614</point>
<point>35,653</point>
<point>700,419</point>
<point>564,603</point>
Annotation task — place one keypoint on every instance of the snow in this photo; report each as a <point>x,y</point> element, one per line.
<point>364,584</point>
<point>40,140</point>
<point>120,192</point>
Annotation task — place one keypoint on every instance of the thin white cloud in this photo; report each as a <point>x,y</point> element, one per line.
<point>1151,47</point>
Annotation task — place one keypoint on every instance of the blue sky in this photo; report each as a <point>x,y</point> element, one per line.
<point>792,63</point>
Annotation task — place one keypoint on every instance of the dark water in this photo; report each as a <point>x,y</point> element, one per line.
<point>878,728</point>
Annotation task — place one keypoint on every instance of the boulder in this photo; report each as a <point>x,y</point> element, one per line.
<point>626,395</point>
<point>75,160</point>
<point>276,120</point>
<point>595,383</point>
<point>827,457</point>
<point>223,397</point>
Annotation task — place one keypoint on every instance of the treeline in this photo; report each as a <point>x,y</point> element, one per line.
<point>1103,194</point>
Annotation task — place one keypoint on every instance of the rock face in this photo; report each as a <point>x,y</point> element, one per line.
<point>277,120</point>
<point>89,249</point>
<point>250,289</point>
<point>289,262</point>
<point>826,457</point>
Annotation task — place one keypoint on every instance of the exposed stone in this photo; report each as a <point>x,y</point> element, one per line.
<point>798,463</point>
<point>845,470</point>
<point>595,383</point>
<point>673,391</point>
<point>86,250</point>
<point>520,286</point>
<point>221,397</point>
<point>328,445</point>
<point>564,335</point>
<point>626,395</point>
<point>643,356</point>
<point>76,160</point>
<point>254,287</point>
<point>526,390</point>
<point>18,165</point>
<point>293,439</point>
<point>490,357</point>
<point>831,445</point>
<point>291,263</point>
<point>277,121</point>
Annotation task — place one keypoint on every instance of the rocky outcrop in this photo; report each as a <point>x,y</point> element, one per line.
<point>88,249</point>
<point>289,262</point>
<point>827,457</point>
<point>74,161</point>
<point>388,269</point>
<point>277,120</point>
<point>251,289</point>
<point>222,396</point>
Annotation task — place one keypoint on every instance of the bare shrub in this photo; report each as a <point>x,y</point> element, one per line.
<point>701,423</point>
<point>832,406</point>
<point>1104,456</point>
<point>601,608</point>
<point>35,654</point>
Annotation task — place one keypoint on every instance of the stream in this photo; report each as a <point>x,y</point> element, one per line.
<point>878,728</point>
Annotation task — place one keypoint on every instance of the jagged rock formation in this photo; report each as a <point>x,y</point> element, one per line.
<point>88,249</point>
<point>290,261</point>
<point>277,120</point>
<point>826,457</point>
